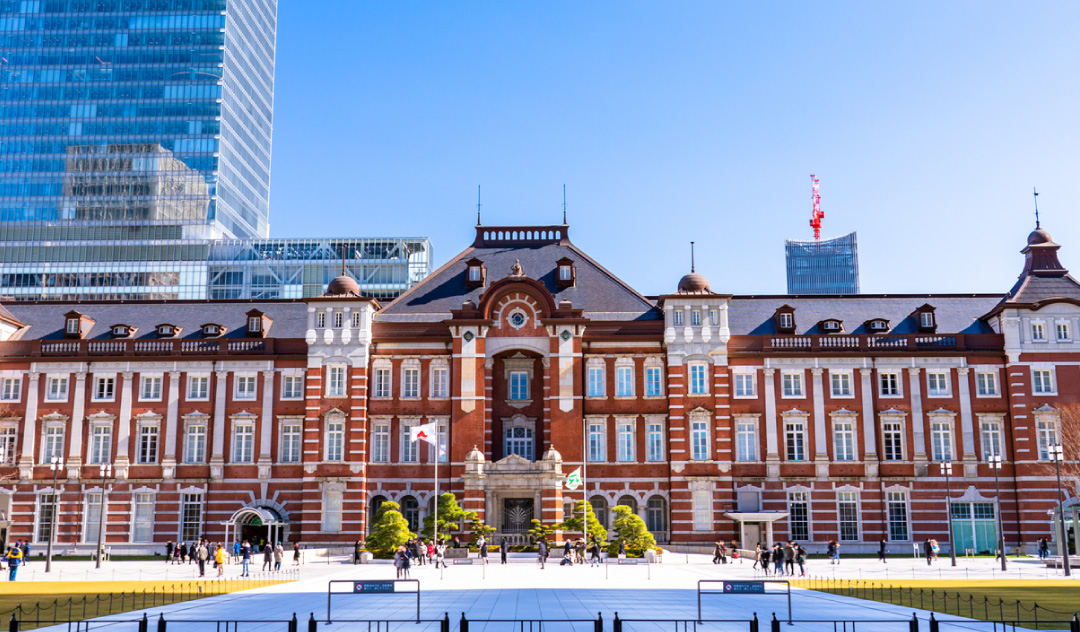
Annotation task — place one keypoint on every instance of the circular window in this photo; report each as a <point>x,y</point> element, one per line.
<point>517,319</point>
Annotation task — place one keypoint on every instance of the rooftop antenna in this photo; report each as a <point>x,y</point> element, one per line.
<point>343,247</point>
<point>564,205</point>
<point>478,205</point>
<point>691,257</point>
<point>817,215</point>
<point>1036,192</point>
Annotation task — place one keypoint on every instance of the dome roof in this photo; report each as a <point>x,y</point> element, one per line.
<point>694,283</point>
<point>343,286</point>
<point>1039,236</point>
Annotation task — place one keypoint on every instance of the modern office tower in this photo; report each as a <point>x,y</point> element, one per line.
<point>829,266</point>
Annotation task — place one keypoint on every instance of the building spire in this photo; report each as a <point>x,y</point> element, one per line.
<point>478,205</point>
<point>1036,194</point>
<point>691,257</point>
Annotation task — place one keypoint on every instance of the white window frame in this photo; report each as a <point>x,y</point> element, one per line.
<point>191,529</point>
<point>992,438</point>
<point>700,447</point>
<point>292,387</point>
<point>654,441</point>
<point>795,448</point>
<point>11,389</point>
<point>380,442</point>
<point>792,386</point>
<point>320,320</point>
<point>787,320</point>
<point>440,381</point>
<point>890,384</point>
<point>195,441</point>
<point>52,441</point>
<point>901,498</point>
<point>596,440</point>
<point>101,380</point>
<point>339,320</point>
<point>745,384</point>
<point>142,526</point>
<point>899,432</point>
<point>382,381</point>
<point>56,387</point>
<point>841,384</point>
<point>356,319</point>
<point>240,383</point>
<point>851,499</point>
<point>1038,331</point>
<point>799,498</point>
<point>845,447</point>
<point>337,380</point>
<point>151,387</point>
<point>91,522</point>
<point>746,440</point>
<point>624,437</point>
<point>143,431</point>
<point>334,449</point>
<point>1043,381</point>
<point>624,379</point>
<point>654,376</point>
<point>677,317</point>
<point>1047,434</point>
<point>99,449</point>
<point>409,451</point>
<point>938,383</point>
<point>517,386</point>
<point>410,381</point>
<point>243,441</point>
<point>697,378</point>
<point>596,380</point>
<point>1063,331</point>
<point>291,449</point>
<point>986,384</point>
<point>526,443</point>
<point>942,441</point>
<point>332,511</point>
<point>702,505</point>
<point>9,444</point>
<point>192,380</point>
<point>695,318</point>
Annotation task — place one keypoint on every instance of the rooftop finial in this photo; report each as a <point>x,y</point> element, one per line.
<point>564,205</point>
<point>1036,192</point>
<point>691,257</point>
<point>343,247</point>
<point>478,205</point>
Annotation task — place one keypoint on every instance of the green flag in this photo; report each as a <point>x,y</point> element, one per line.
<point>573,479</point>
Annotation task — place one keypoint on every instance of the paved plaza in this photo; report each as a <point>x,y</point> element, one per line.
<point>521,590</point>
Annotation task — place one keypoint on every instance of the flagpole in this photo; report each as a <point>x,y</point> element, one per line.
<point>435,451</point>
<point>584,485</point>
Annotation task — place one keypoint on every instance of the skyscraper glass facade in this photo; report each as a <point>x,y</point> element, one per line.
<point>137,112</point>
<point>828,266</point>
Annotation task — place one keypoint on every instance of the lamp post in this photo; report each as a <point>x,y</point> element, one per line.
<point>1057,455</point>
<point>946,469</point>
<point>106,472</point>
<point>56,465</point>
<point>995,464</point>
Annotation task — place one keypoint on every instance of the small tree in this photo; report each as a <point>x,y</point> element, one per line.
<point>451,517</point>
<point>540,531</point>
<point>632,531</point>
<point>576,523</point>
<point>478,529</point>
<point>389,530</point>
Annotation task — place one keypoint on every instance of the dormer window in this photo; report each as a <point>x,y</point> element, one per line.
<point>121,331</point>
<point>257,323</point>
<point>925,319</point>
<point>785,319</point>
<point>567,275</point>
<point>878,324</point>
<point>475,273</point>
<point>831,325</point>
<point>211,330</point>
<point>166,330</point>
<point>76,325</point>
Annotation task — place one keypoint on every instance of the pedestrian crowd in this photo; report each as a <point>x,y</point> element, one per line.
<point>781,559</point>
<point>202,551</point>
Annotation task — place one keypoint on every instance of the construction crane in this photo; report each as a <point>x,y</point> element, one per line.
<point>817,215</point>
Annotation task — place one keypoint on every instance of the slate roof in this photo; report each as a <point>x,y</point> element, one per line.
<point>599,293</point>
<point>1034,289</point>
<point>954,313</point>
<point>46,319</point>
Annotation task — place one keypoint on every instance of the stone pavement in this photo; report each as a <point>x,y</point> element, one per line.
<point>521,590</point>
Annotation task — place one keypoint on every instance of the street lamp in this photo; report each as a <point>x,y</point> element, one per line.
<point>1057,455</point>
<point>56,465</point>
<point>106,472</point>
<point>946,469</point>
<point>995,464</point>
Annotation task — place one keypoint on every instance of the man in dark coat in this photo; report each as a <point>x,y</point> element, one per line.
<point>928,550</point>
<point>542,547</point>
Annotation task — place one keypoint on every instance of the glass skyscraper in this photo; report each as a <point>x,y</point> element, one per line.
<point>138,112</point>
<point>828,266</point>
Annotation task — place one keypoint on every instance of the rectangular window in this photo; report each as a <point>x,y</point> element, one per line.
<point>597,449</point>
<point>440,382</point>
<point>331,522</point>
<point>8,445</point>
<point>191,517</point>
<point>841,384</point>
<point>793,384</point>
<point>92,521</point>
<point>712,317</point>
<point>292,387</point>
<point>941,440</point>
<point>746,441</point>
<point>104,389</point>
<point>844,440</point>
<point>1063,332</point>
<point>1047,436</point>
<point>898,516</point>
<point>52,444</point>
<point>142,517</point>
<point>100,444</point>
<point>243,443</point>
<point>678,318</point>
<point>339,320</point>
<point>1038,332</point>
<point>335,440</point>
<point>245,387</point>
<point>596,381</point>
<point>699,439</point>
<point>442,438</point>
<point>624,381</point>
<point>795,439</point>
<point>847,513</point>
<point>410,382</point>
<point>198,387</point>
<point>799,515</point>
<point>625,438</point>
<point>703,511</point>
<point>695,318</point>
<point>381,387</point>
<point>290,443</point>
<point>380,443</point>
<point>519,386</point>
<point>46,516</point>
<point>892,440</point>
<point>320,320</point>
<point>58,388</point>
<point>474,273</point>
<point>409,451</point>
<point>335,380</point>
<point>787,320</point>
<point>11,389</point>
<point>890,384</point>
<point>986,384</point>
<point>993,443</point>
<point>151,388</point>
<point>195,443</point>
<point>654,385</point>
<point>148,443</point>
<point>654,442</point>
<point>937,384</point>
<point>745,385</point>
<point>1043,381</point>
<point>698,385</point>
<point>356,319</point>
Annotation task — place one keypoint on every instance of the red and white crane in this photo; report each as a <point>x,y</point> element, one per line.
<point>818,214</point>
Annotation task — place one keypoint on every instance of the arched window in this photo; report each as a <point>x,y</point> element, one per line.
<point>599,508</point>
<point>373,508</point>
<point>411,510</point>
<point>656,514</point>
<point>629,501</point>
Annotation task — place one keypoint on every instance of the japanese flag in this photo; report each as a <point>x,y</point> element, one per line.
<point>427,432</point>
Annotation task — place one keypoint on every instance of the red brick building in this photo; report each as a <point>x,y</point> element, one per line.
<point>713,416</point>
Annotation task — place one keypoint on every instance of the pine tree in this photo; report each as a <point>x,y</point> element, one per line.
<point>478,528</point>
<point>540,531</point>
<point>451,517</point>
<point>632,530</point>
<point>575,524</point>
<point>389,530</point>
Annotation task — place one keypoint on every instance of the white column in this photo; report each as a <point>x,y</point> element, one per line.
<point>869,415</point>
<point>821,440</point>
<point>772,452</point>
<point>217,452</point>
<point>266,427</point>
<point>78,414</point>
<point>123,424</point>
<point>917,421</point>
<point>967,422</point>
<point>172,418</point>
<point>30,420</point>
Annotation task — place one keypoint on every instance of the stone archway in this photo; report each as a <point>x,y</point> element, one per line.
<point>258,525</point>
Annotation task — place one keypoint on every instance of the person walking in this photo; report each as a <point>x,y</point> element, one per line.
<point>399,560</point>
<point>406,562</point>
<point>778,559</point>
<point>594,553</point>
<point>718,553</point>
<point>1044,548</point>
<point>440,555</point>
<point>622,549</point>
<point>757,556</point>
<point>220,555</point>
<point>359,546</point>
<point>245,559</point>
<point>25,552</point>
<point>789,558</point>
<point>834,552</point>
<point>201,554</point>
<point>882,550</point>
<point>14,559</point>
<point>542,550</point>
<point>268,558</point>
<point>296,554</point>
<point>484,550</point>
<point>279,554</point>
<point>182,553</point>
<point>800,559</point>
<point>928,551</point>
<point>170,548</point>
<point>763,556</point>
<point>502,551</point>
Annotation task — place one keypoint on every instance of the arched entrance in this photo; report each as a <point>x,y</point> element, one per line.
<point>257,525</point>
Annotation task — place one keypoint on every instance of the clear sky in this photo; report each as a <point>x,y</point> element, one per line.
<point>927,122</point>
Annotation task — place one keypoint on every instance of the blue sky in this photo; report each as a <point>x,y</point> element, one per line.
<point>927,122</point>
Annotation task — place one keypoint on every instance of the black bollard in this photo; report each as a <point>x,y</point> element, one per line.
<point>312,626</point>
<point>913,625</point>
<point>775,623</point>
<point>144,625</point>
<point>754,623</point>
<point>13,625</point>
<point>293,623</point>
<point>463,625</point>
<point>161,623</point>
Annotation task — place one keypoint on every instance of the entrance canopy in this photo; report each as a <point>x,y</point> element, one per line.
<point>754,519</point>
<point>256,516</point>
